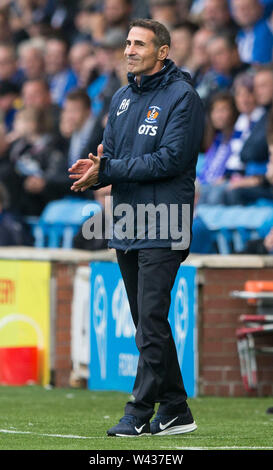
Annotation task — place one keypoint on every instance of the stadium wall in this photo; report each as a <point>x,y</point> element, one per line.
<point>218,319</point>
<point>218,314</point>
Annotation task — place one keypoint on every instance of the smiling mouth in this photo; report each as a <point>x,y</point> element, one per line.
<point>132,61</point>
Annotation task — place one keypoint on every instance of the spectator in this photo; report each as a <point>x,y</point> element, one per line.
<point>31,58</point>
<point>83,128</point>
<point>103,81</point>
<point>5,164</point>
<point>181,45</point>
<point>225,64</point>
<point>77,54</point>
<point>260,246</point>
<point>200,59</point>
<point>140,9</point>
<point>62,19</point>
<point>117,14</point>
<point>36,162</point>
<point>254,153</point>
<point>8,65</point>
<point>89,23</point>
<point>255,38</point>
<point>216,17</point>
<point>250,114</point>
<point>12,229</point>
<point>61,78</point>
<point>213,176</point>
<point>9,102</point>
<point>5,30</point>
<point>165,12</point>
<point>36,94</point>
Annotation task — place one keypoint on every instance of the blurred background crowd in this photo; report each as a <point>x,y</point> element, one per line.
<point>61,61</point>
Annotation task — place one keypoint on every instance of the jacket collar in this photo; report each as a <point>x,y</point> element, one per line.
<point>168,73</point>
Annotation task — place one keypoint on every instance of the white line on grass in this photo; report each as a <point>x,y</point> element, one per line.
<point>218,448</point>
<point>72,436</point>
<point>67,436</point>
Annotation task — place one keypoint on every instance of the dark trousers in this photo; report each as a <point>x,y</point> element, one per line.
<point>149,275</point>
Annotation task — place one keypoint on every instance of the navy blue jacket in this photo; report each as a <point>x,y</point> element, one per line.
<point>151,144</point>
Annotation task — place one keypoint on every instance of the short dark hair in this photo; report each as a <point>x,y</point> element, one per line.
<point>227,37</point>
<point>187,25</point>
<point>80,95</point>
<point>162,35</point>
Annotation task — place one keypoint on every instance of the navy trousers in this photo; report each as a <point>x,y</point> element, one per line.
<point>149,275</point>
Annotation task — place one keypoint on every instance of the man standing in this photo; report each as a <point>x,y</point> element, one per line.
<point>149,155</point>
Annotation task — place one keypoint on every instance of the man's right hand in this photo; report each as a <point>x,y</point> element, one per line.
<point>80,168</point>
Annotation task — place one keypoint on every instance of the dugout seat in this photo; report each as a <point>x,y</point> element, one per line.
<point>61,220</point>
<point>260,295</point>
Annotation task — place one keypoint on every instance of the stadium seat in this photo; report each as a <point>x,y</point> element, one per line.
<point>235,225</point>
<point>61,220</point>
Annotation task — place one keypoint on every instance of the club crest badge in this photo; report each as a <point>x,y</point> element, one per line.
<point>152,114</point>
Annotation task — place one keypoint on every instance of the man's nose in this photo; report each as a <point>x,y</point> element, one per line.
<point>129,50</point>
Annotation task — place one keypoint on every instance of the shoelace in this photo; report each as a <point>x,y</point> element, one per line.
<point>128,419</point>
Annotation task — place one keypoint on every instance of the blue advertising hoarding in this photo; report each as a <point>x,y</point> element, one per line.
<point>114,355</point>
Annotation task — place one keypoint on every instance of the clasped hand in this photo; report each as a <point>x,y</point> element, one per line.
<point>86,171</point>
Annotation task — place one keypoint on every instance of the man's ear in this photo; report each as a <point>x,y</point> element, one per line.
<point>163,52</point>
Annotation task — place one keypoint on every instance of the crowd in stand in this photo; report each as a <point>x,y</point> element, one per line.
<point>61,61</point>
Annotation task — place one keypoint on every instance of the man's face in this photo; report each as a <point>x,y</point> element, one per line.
<point>199,47</point>
<point>220,55</point>
<point>246,12</point>
<point>78,53</point>
<point>263,87</point>
<point>55,58</point>
<point>35,95</point>
<point>181,46</point>
<point>140,52</point>
<point>75,113</point>
<point>215,14</point>
<point>32,63</point>
<point>7,63</point>
<point>116,11</point>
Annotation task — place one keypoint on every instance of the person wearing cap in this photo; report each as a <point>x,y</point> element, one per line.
<point>149,155</point>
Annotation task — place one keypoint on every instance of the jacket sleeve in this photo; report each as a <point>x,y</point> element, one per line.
<point>179,142</point>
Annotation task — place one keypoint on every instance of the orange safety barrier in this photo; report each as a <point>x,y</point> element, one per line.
<point>19,365</point>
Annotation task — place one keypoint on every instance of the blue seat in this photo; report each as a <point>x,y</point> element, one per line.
<point>235,225</point>
<point>61,220</point>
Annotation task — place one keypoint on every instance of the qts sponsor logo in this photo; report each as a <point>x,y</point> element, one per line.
<point>147,129</point>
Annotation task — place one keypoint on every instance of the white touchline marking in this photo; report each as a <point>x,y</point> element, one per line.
<point>215,448</point>
<point>66,436</point>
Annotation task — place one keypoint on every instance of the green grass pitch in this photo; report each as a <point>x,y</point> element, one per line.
<point>34,417</point>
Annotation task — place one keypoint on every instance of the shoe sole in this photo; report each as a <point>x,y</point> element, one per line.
<point>177,430</point>
<point>130,435</point>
